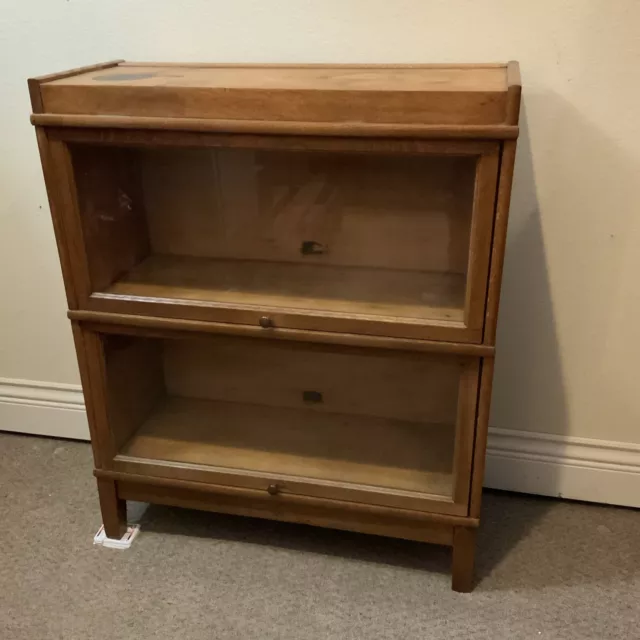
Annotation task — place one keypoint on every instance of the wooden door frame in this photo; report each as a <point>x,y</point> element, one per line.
<point>470,330</point>
<point>92,357</point>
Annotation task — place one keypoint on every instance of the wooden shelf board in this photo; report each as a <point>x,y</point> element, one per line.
<point>398,294</point>
<point>348,449</point>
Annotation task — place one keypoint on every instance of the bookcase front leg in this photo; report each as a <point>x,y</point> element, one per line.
<point>464,553</point>
<point>114,509</point>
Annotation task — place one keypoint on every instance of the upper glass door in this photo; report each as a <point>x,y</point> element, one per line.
<point>385,239</point>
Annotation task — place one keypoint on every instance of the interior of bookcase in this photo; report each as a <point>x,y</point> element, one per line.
<point>336,414</point>
<point>361,234</point>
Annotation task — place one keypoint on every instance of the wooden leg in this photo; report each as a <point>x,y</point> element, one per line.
<point>464,553</point>
<point>114,510</point>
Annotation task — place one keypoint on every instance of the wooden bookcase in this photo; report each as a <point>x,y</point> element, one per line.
<point>283,283</point>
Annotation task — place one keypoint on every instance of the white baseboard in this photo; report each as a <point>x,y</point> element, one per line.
<point>564,466</point>
<point>43,408</point>
<point>527,462</point>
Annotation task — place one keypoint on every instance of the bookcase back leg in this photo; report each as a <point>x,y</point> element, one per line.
<point>114,509</point>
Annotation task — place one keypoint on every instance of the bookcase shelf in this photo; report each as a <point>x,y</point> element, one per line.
<point>358,291</point>
<point>287,443</point>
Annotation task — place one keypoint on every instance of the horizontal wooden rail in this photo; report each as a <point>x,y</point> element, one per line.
<point>350,129</point>
<point>125,323</point>
<point>299,499</point>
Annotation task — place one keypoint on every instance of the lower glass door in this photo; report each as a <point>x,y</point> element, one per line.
<point>374,426</point>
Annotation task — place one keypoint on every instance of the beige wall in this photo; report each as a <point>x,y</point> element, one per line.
<point>570,328</point>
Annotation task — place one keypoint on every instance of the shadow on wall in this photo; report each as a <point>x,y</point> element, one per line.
<point>528,362</point>
<point>589,233</point>
<point>529,392</point>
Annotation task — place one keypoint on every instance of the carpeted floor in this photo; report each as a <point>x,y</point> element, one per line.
<point>546,569</point>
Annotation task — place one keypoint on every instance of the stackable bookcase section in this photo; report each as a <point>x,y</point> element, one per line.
<point>283,283</point>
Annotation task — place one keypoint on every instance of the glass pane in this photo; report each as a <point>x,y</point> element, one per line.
<point>359,417</point>
<point>361,234</point>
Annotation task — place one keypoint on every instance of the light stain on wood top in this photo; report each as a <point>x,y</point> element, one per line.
<point>375,94</point>
<point>346,78</point>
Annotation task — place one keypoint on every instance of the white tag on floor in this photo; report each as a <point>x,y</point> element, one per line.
<point>124,542</point>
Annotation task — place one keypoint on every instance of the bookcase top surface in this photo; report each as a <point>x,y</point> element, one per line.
<point>307,78</point>
<point>447,94</point>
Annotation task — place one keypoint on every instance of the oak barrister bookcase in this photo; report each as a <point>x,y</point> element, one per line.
<point>283,283</point>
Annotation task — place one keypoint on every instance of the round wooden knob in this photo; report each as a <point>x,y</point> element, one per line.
<point>265,322</point>
<point>273,489</point>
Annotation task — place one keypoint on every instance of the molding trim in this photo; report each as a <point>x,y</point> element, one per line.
<point>43,408</point>
<point>41,394</point>
<point>564,466</point>
<point>527,462</point>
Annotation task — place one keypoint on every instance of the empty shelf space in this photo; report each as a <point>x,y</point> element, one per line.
<point>416,295</point>
<point>359,450</point>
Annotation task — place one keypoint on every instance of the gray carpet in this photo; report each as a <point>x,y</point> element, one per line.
<point>546,569</point>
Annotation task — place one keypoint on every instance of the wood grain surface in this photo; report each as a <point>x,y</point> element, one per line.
<point>400,95</point>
